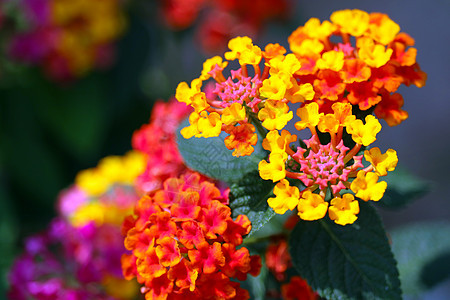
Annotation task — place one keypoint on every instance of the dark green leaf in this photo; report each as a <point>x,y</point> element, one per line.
<point>346,262</point>
<point>249,197</point>
<point>416,248</point>
<point>402,189</point>
<point>210,157</point>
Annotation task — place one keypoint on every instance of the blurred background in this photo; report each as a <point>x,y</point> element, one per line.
<point>64,106</point>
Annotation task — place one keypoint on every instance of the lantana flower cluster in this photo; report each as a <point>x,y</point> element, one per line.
<point>185,244</point>
<point>67,38</point>
<point>237,103</point>
<point>359,58</point>
<point>337,84</point>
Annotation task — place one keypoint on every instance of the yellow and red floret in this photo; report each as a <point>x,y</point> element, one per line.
<point>255,94</point>
<point>185,244</point>
<point>326,168</point>
<point>359,58</point>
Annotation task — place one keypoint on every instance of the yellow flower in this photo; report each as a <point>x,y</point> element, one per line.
<point>287,197</point>
<point>366,187</point>
<point>192,129</point>
<point>382,162</point>
<point>319,31</point>
<point>382,29</point>
<point>273,170</point>
<point>237,46</point>
<point>331,60</point>
<point>274,87</point>
<point>311,206</point>
<point>251,56</point>
<point>309,115</point>
<point>202,125</point>
<point>344,210</point>
<point>233,114</point>
<point>343,112</point>
<point>364,134</point>
<point>209,125</point>
<point>288,64</point>
<point>373,55</point>
<point>354,22</point>
<point>300,93</point>
<point>275,115</point>
<point>307,48</point>
<point>276,143</point>
<point>184,93</point>
<point>199,102</point>
<point>328,123</point>
<point>210,64</point>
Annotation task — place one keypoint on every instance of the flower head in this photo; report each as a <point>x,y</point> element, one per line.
<point>182,238</point>
<point>365,70</point>
<point>326,166</point>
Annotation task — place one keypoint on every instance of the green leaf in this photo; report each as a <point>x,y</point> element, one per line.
<point>210,157</point>
<point>346,262</point>
<point>249,197</point>
<point>403,188</point>
<point>417,248</point>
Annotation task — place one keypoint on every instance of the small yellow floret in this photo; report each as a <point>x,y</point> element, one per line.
<point>364,134</point>
<point>199,102</point>
<point>233,114</point>
<point>331,60</point>
<point>311,206</point>
<point>354,22</point>
<point>328,123</point>
<point>308,48</point>
<point>374,55</point>
<point>275,115</point>
<point>202,125</point>
<point>319,31</point>
<point>309,115</point>
<point>274,87</point>
<point>287,197</point>
<point>251,56</point>
<point>276,143</point>
<point>184,93</point>
<point>382,162</point>
<point>209,125</point>
<point>288,64</point>
<point>382,29</point>
<point>237,46</point>
<point>300,93</point>
<point>344,210</point>
<point>274,170</point>
<point>210,64</point>
<point>366,187</point>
